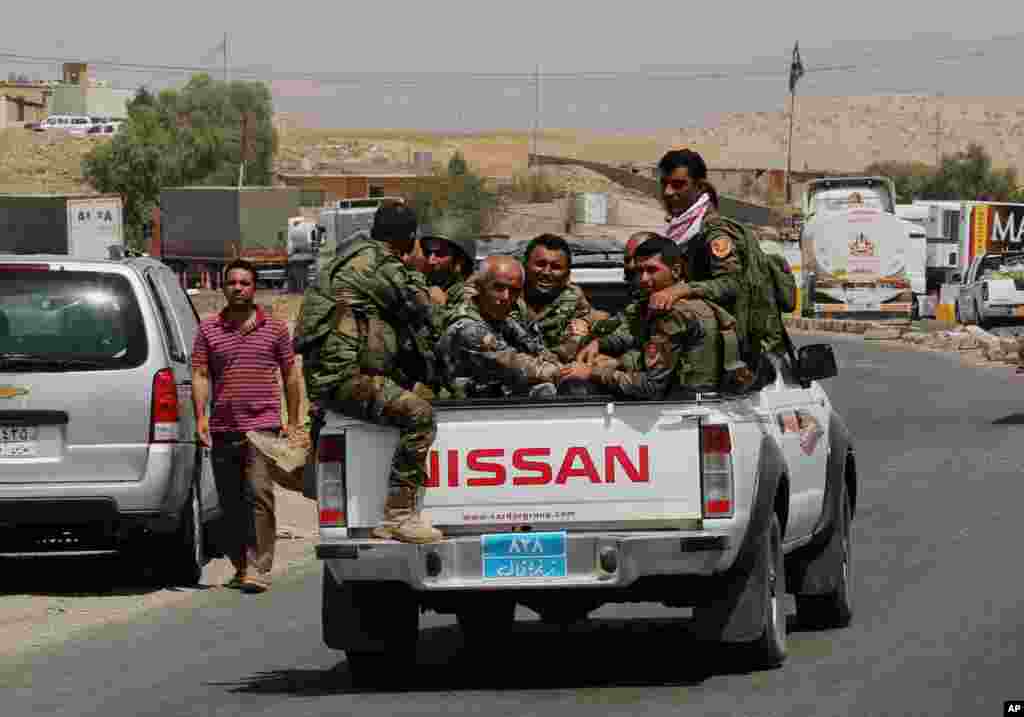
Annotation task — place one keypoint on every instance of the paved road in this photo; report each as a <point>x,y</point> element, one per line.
<point>937,631</point>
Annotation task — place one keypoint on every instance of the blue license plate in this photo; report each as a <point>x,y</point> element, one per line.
<point>524,555</point>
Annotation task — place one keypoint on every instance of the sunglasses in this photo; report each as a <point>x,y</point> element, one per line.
<point>436,249</point>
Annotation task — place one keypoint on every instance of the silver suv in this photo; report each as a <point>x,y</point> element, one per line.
<point>97,433</point>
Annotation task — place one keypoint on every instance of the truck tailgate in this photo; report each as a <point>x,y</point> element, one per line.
<point>627,465</point>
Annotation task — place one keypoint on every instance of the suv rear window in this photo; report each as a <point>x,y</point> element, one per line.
<point>69,320</point>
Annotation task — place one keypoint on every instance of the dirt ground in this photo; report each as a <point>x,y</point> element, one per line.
<point>44,601</point>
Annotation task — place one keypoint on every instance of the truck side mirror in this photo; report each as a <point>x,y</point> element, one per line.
<point>816,362</point>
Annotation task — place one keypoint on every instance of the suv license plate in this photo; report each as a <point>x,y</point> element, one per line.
<point>523,555</point>
<point>19,441</point>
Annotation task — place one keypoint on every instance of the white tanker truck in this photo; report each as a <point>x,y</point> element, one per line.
<point>860,260</point>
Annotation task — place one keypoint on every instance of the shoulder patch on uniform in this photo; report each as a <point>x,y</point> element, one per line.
<point>721,247</point>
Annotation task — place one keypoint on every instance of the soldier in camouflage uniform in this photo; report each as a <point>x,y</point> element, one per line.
<point>550,303</point>
<point>368,309</point>
<point>486,352</point>
<point>450,262</point>
<point>685,348</point>
<point>605,327</point>
<point>724,261</point>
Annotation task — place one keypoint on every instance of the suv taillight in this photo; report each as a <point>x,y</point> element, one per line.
<point>164,424</point>
<point>330,481</point>
<point>716,471</point>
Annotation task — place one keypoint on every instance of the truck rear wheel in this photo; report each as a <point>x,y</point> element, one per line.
<point>376,624</point>
<point>834,609</point>
<point>769,650</point>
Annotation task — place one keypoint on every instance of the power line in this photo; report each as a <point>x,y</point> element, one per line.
<point>405,79</point>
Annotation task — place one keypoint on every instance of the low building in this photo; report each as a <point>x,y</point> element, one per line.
<point>22,101</point>
<point>80,94</point>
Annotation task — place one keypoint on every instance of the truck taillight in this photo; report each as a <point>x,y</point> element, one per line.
<point>716,471</point>
<point>330,481</point>
<point>163,427</point>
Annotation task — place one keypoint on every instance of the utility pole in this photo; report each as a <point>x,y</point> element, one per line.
<point>938,128</point>
<point>536,116</point>
<point>789,149</point>
<point>225,57</point>
<point>243,149</point>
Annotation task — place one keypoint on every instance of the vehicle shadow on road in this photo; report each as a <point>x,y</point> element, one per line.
<point>80,576</point>
<point>600,653</point>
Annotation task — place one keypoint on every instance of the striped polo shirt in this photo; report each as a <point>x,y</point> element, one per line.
<point>244,370</point>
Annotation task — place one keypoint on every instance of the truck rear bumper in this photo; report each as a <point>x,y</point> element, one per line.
<point>592,560</point>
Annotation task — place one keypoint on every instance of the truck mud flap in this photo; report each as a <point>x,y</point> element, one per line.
<point>368,617</point>
<point>811,569</point>
<point>733,612</point>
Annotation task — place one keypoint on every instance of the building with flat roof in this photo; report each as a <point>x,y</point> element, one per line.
<point>80,94</point>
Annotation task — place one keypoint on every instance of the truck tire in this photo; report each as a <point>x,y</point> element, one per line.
<point>834,609</point>
<point>750,616</point>
<point>769,650</point>
<point>979,319</point>
<point>480,624</point>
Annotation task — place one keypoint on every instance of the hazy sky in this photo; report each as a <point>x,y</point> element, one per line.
<point>323,58</point>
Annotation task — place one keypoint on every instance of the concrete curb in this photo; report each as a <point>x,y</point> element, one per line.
<point>971,342</point>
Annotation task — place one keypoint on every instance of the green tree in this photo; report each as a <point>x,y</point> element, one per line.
<point>180,137</point>
<point>966,175</point>
<point>970,175</point>
<point>909,177</point>
<point>455,201</point>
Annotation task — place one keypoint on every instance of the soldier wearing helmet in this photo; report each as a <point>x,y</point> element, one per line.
<point>450,259</point>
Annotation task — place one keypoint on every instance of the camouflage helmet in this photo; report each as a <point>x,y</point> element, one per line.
<point>450,231</point>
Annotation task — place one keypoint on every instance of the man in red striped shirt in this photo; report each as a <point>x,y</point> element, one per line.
<point>240,352</point>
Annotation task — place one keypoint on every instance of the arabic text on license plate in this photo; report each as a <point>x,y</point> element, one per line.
<point>18,441</point>
<point>524,555</point>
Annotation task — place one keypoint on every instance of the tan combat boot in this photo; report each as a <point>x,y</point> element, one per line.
<point>403,521</point>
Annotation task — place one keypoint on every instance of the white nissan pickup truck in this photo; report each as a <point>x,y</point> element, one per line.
<point>720,503</point>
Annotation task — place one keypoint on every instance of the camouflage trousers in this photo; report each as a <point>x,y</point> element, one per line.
<point>378,399</point>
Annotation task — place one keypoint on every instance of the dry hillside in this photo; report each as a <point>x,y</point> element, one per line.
<point>831,134</point>
<point>847,133</point>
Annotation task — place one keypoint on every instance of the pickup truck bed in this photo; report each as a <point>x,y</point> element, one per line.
<point>563,506</point>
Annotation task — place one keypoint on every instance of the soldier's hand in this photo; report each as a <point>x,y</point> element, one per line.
<point>664,299</point>
<point>438,295</point>
<point>578,371</point>
<point>578,327</point>
<point>588,353</point>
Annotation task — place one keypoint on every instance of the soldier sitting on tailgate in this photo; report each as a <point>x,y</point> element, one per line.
<point>352,329</point>
<point>665,353</point>
<point>488,354</point>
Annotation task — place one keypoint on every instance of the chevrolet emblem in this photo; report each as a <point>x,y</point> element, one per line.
<point>12,391</point>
